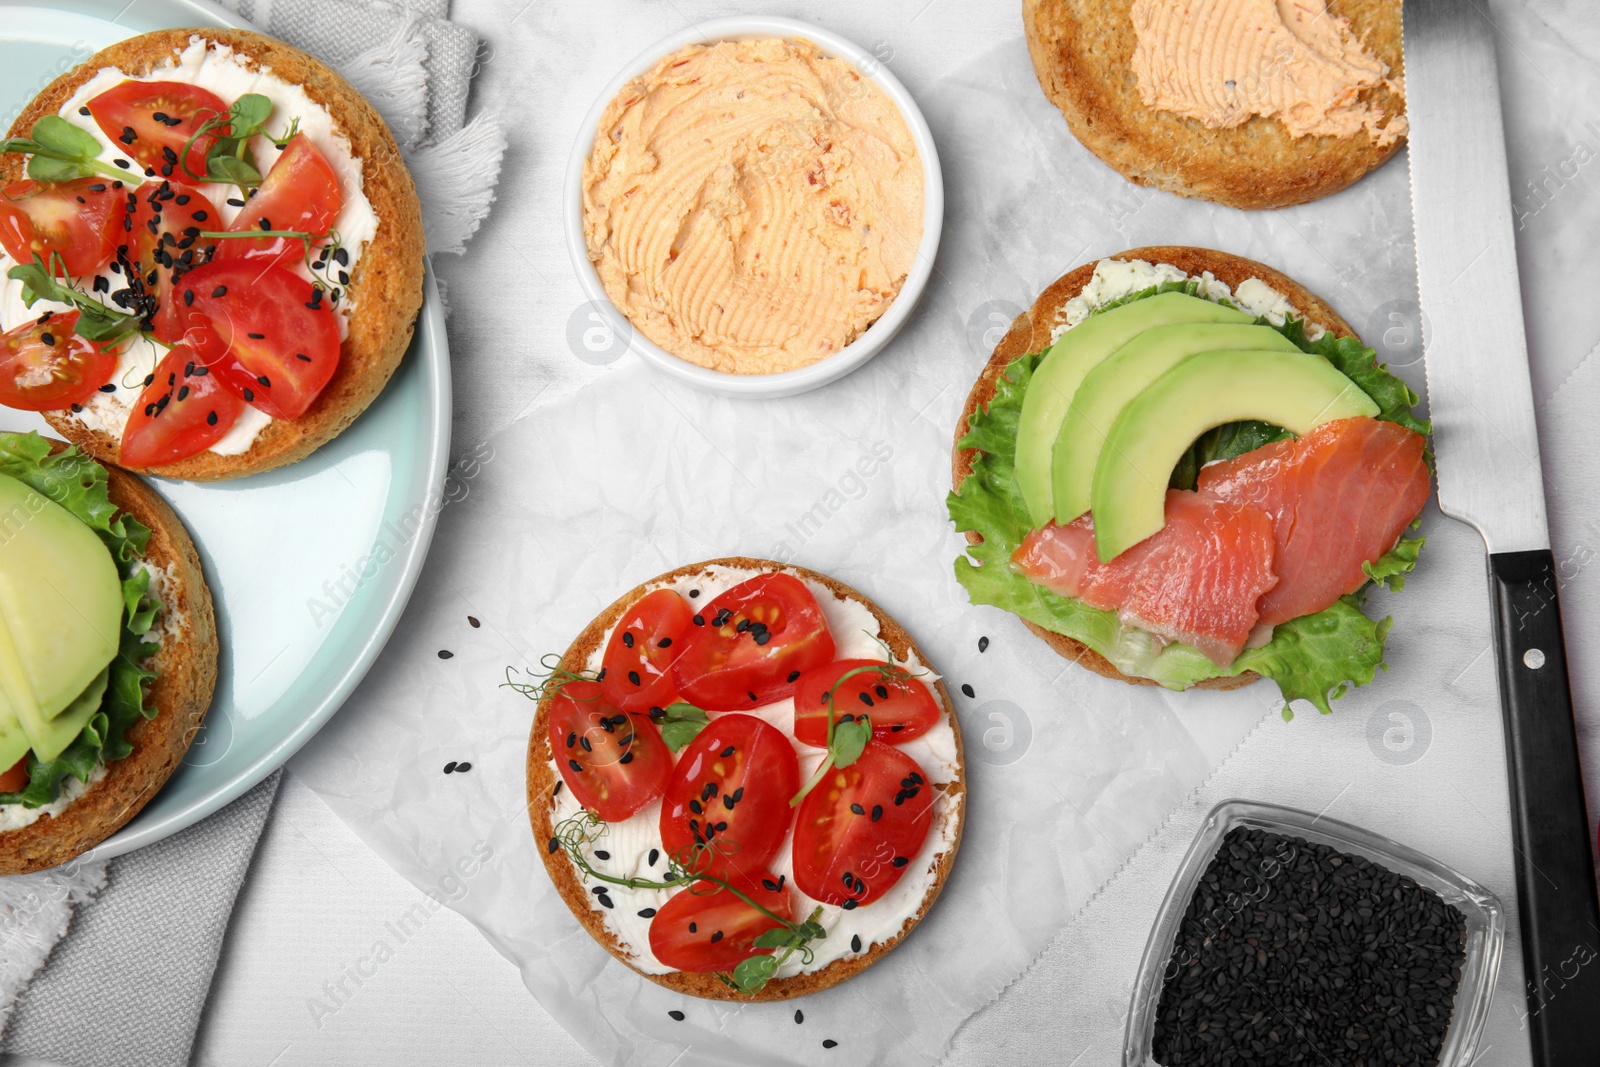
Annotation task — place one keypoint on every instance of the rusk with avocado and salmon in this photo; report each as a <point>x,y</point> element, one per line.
<point>1181,468</point>
<point>108,650</point>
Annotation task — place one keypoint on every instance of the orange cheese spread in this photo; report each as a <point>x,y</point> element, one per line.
<point>752,206</point>
<point>1222,61</point>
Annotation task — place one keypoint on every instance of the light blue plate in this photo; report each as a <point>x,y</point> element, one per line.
<point>311,565</point>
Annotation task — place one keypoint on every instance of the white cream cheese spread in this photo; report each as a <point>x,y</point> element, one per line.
<point>629,843</point>
<point>1117,278</point>
<point>215,67</point>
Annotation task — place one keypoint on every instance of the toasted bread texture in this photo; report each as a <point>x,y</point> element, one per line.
<point>187,676</point>
<point>1030,332</point>
<point>385,286</point>
<point>1083,51</point>
<point>568,880</point>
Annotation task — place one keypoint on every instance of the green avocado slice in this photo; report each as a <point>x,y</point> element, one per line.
<point>64,729</point>
<point>60,608</point>
<point>1063,368</point>
<point>1287,389</point>
<point>1126,373</point>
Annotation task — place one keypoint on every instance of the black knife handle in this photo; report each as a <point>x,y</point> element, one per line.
<point>1558,906</point>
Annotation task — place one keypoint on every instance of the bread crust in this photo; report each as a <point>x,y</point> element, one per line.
<point>385,286</point>
<point>1030,332</point>
<point>1082,52</point>
<point>181,694</point>
<point>541,800</point>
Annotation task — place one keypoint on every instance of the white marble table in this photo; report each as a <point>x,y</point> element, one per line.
<point>299,982</point>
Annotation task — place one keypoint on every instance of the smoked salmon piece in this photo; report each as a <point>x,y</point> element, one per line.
<point>1339,497</point>
<point>1197,581</point>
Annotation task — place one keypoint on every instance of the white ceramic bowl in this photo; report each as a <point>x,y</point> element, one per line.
<point>863,348</point>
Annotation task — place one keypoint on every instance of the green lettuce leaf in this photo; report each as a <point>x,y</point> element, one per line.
<point>1315,658</point>
<point>79,484</point>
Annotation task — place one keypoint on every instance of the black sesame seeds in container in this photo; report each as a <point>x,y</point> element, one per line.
<point>1291,939</point>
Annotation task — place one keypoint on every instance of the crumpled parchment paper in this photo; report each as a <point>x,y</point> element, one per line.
<point>634,474</point>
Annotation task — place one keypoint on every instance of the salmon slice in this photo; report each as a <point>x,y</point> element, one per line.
<point>1197,581</point>
<point>1339,497</point>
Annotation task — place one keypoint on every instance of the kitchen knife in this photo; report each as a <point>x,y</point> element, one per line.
<point>1481,401</point>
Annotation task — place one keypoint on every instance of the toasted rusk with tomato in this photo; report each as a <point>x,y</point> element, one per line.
<point>745,780</point>
<point>233,278</point>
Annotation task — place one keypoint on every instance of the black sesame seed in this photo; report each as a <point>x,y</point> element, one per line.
<point>256,336</point>
<point>473,622</point>
<point>855,943</point>
<point>899,861</point>
<point>647,913</point>
<point>554,846</point>
<point>47,337</point>
<point>181,198</point>
<point>188,297</point>
<point>627,640</point>
<point>601,854</point>
<point>575,765</point>
<point>693,593</point>
<point>716,937</point>
<point>123,163</point>
<point>183,391</point>
<point>264,381</point>
<point>606,901</point>
<point>769,885</point>
<point>967,689</point>
<point>799,1016</point>
<point>752,697</point>
<point>557,790</point>
<point>665,642</point>
<point>678,1015</point>
<point>234,201</point>
<point>794,676</point>
<point>201,216</point>
<point>449,768</point>
<point>128,136</point>
<point>445,653</point>
<point>588,746</point>
<point>249,394</point>
<point>849,905</point>
<point>729,750</point>
<point>655,854</point>
<point>633,676</point>
<point>211,418</point>
<point>694,806</point>
<point>83,111</point>
<point>830,1043</point>
<point>877,812</point>
<point>463,768</point>
<point>699,620</point>
<point>694,928</point>
<point>219,291</point>
<point>858,809</point>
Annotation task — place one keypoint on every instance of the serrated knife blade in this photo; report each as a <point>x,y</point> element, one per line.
<point>1480,398</point>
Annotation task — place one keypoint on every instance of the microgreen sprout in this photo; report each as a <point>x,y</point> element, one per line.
<point>689,870</point>
<point>60,151</point>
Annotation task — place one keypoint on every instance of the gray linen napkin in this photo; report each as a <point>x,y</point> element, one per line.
<point>125,987</point>
<point>138,963</point>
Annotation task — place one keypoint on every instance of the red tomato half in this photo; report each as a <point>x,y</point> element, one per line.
<point>860,828</point>
<point>166,220</point>
<point>706,928</point>
<point>15,780</point>
<point>639,655</point>
<point>899,710</point>
<point>181,413</point>
<point>300,192</point>
<point>751,643</point>
<point>82,220</point>
<point>731,790</point>
<point>614,763</point>
<point>45,366</point>
<point>267,333</point>
<point>152,121</point>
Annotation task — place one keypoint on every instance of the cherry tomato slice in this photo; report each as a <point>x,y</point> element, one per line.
<point>152,121</point>
<point>706,928</point>
<point>750,644</point>
<point>860,828</point>
<point>731,790</point>
<point>15,780</point>
<point>615,763</point>
<point>80,220</point>
<point>165,220</point>
<point>900,709</point>
<point>45,366</point>
<point>639,654</point>
<point>300,192</point>
<point>268,334</point>
<point>182,412</point>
